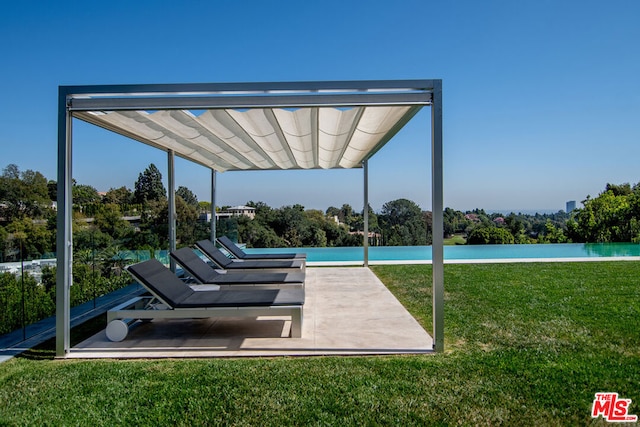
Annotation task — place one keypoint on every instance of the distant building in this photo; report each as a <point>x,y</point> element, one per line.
<point>228,213</point>
<point>242,210</point>
<point>34,267</point>
<point>571,205</point>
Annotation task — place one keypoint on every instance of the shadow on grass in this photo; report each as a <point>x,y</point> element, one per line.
<point>47,349</point>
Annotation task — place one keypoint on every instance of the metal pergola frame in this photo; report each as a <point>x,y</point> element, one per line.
<point>75,99</point>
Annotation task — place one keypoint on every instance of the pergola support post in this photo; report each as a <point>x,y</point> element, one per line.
<point>438,218</point>
<point>64,239</point>
<point>365,212</point>
<point>171,183</point>
<point>213,206</point>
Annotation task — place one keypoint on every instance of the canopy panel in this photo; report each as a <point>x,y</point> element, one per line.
<point>262,138</point>
<point>299,125</point>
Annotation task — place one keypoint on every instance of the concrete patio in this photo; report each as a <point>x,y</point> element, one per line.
<point>348,311</point>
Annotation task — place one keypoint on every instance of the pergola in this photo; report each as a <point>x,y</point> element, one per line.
<point>251,126</point>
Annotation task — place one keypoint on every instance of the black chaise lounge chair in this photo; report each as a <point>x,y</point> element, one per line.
<point>172,299</point>
<point>214,254</point>
<point>202,272</point>
<point>237,252</point>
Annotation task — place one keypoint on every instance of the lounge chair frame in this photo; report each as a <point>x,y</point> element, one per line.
<point>151,307</point>
<point>158,307</point>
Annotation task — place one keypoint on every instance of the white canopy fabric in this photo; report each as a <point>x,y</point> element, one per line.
<point>262,138</point>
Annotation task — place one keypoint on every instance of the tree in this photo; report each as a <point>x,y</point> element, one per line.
<point>154,230</point>
<point>313,231</point>
<point>552,234</point>
<point>11,171</point>
<point>290,223</point>
<point>37,304</point>
<point>357,221</point>
<point>118,196</point>
<point>373,219</point>
<point>4,243</point>
<point>52,189</point>
<point>490,235</point>
<point>610,217</point>
<point>332,211</point>
<point>149,186</point>
<point>109,220</point>
<point>517,227</point>
<point>84,195</point>
<point>402,223</point>
<point>204,206</point>
<point>337,235</point>
<point>256,235</point>
<point>264,214</point>
<point>90,238</point>
<point>22,194</point>
<point>514,225</point>
<point>155,222</point>
<point>619,190</point>
<point>35,239</point>
<point>37,191</point>
<point>291,226</point>
<point>346,215</point>
<point>187,222</point>
<point>188,196</point>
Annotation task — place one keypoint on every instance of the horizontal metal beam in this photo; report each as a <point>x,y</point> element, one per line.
<point>250,87</point>
<point>263,101</point>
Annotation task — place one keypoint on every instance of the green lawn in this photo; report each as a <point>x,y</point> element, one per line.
<point>456,239</point>
<point>527,344</point>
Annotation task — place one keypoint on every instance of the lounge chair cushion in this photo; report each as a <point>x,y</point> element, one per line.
<point>166,285</point>
<point>210,250</point>
<point>240,254</point>
<point>152,274</point>
<point>204,273</point>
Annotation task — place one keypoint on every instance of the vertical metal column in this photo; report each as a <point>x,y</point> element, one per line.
<point>64,239</point>
<point>365,242</point>
<point>438,217</point>
<point>172,206</point>
<point>213,206</point>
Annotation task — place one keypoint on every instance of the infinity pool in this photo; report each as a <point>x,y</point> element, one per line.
<point>467,253</point>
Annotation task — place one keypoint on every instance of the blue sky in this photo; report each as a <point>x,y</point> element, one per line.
<point>541,99</point>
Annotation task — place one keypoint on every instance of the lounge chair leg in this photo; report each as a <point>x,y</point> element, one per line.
<point>117,330</point>
<point>296,324</point>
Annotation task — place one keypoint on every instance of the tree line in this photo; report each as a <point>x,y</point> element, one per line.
<point>138,219</point>
<point>612,216</point>
<point>400,222</point>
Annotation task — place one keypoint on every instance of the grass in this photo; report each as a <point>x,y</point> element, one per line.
<point>527,344</point>
<point>456,239</point>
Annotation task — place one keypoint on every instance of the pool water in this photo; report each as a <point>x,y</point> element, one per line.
<point>464,252</point>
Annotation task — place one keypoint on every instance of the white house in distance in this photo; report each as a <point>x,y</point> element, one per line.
<point>240,211</point>
<point>231,212</point>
